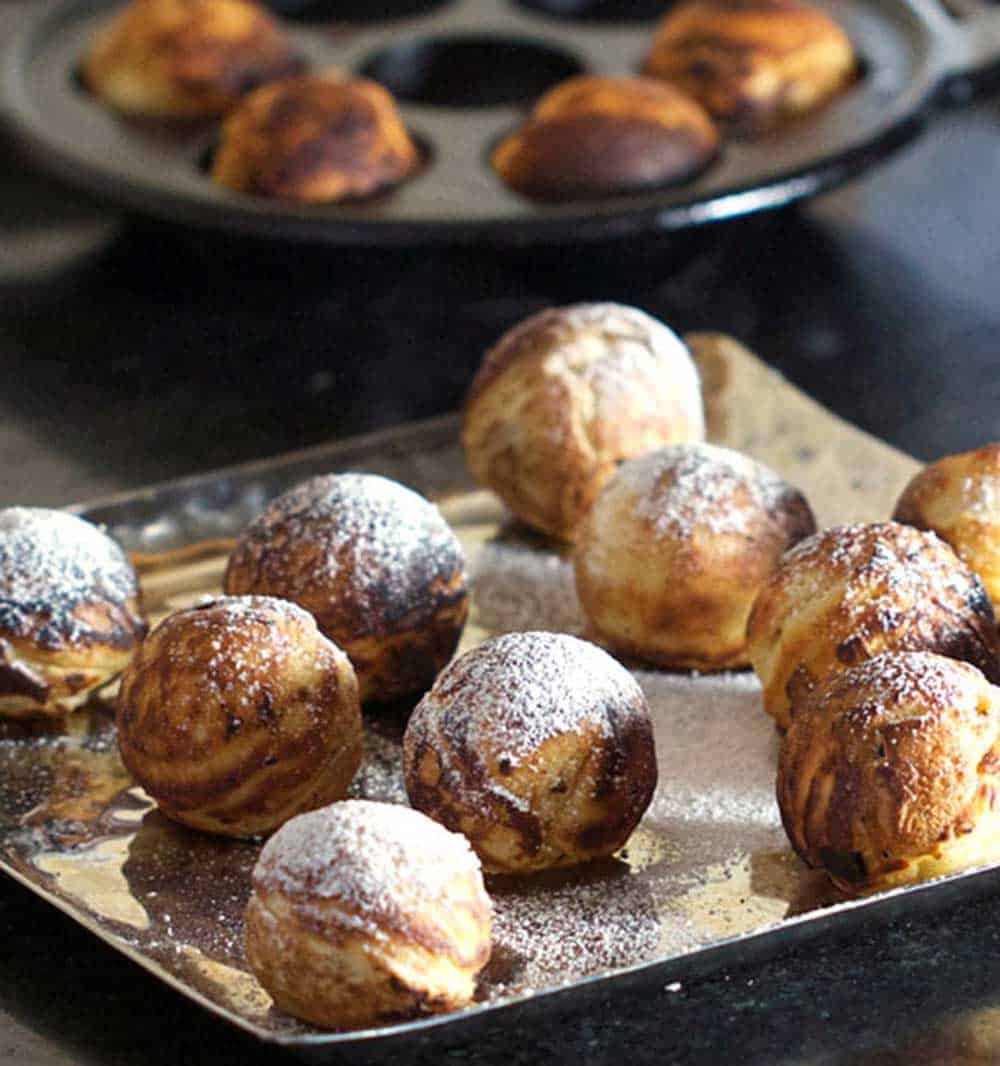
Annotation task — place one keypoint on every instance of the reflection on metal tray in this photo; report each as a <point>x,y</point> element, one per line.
<point>708,878</point>
<point>467,69</point>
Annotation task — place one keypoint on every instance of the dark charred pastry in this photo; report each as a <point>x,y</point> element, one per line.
<point>535,746</point>
<point>852,592</point>
<point>374,563</point>
<point>190,727</point>
<point>888,772</point>
<point>186,58</point>
<point>315,139</point>
<point>70,611</point>
<point>595,137</point>
<point>752,62</point>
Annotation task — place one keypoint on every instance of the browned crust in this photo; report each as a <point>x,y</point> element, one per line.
<point>905,590</point>
<point>189,736</point>
<point>315,139</point>
<point>402,663</point>
<point>889,762</point>
<point>188,57</point>
<point>752,60</point>
<point>593,137</point>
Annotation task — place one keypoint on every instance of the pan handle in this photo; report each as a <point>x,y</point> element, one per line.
<point>971,50</point>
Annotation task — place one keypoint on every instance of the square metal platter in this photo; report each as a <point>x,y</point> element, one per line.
<point>708,879</point>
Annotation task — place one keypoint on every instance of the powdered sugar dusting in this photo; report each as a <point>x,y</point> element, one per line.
<point>51,563</point>
<point>688,487</point>
<point>514,692</point>
<point>249,640</point>
<point>390,540</point>
<point>918,681</point>
<point>381,860</point>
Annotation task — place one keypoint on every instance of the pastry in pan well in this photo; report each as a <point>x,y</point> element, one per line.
<point>850,593</point>
<point>672,554</point>
<point>185,58</point>
<point>70,612</point>
<point>374,563</point>
<point>536,746</point>
<point>315,140</point>
<point>890,773</point>
<point>958,497</point>
<point>752,61</point>
<point>596,136</point>
<point>238,714</point>
<point>565,396</point>
<point>364,912</point>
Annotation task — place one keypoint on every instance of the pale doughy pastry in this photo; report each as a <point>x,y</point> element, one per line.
<point>958,497</point>
<point>315,139</point>
<point>185,58</point>
<point>852,592</point>
<point>598,136</point>
<point>366,912</point>
<point>890,773</point>
<point>538,747</point>
<point>70,611</point>
<point>672,555</point>
<point>752,61</point>
<point>565,396</point>
<point>237,714</point>
<point>374,563</point>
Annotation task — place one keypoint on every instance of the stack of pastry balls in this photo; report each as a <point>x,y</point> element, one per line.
<point>876,646</point>
<point>325,137</point>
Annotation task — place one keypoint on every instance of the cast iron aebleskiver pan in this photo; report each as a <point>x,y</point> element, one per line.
<point>465,70</point>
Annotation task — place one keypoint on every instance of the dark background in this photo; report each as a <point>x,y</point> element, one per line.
<point>130,353</point>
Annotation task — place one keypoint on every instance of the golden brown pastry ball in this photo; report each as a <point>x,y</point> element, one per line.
<point>374,563</point>
<point>537,747</point>
<point>314,140</point>
<point>674,551</point>
<point>890,773</point>
<point>364,912</point>
<point>958,497</point>
<point>591,137</point>
<point>752,60</point>
<point>185,58</point>
<point>565,396</point>
<point>70,611</point>
<point>238,714</point>
<point>852,592</point>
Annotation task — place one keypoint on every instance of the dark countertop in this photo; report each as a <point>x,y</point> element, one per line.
<point>130,353</point>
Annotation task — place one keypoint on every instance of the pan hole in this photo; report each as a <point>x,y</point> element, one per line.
<point>354,12</point>
<point>470,71</point>
<point>623,11</point>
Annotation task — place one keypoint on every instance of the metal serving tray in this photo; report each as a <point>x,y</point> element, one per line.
<point>707,879</point>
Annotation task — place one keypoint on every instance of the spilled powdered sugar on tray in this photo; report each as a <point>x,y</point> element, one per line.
<point>708,860</point>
